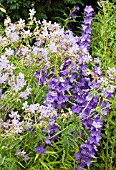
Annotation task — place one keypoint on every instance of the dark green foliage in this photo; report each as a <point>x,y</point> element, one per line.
<point>46,9</point>
<point>73,1</point>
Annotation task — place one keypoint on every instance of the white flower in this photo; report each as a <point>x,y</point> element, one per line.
<point>18,129</point>
<point>27,33</point>
<point>110,89</point>
<point>25,105</point>
<point>21,75</point>
<point>9,52</point>
<point>15,122</point>
<point>111,72</point>
<point>33,108</point>
<point>14,115</point>
<point>103,81</point>
<point>23,153</point>
<point>32,12</point>
<point>21,23</point>
<point>7,21</point>
<point>70,111</point>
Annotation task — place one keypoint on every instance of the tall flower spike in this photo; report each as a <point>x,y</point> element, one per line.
<point>85,37</point>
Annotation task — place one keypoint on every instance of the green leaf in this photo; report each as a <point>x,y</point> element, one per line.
<point>21,165</point>
<point>2,9</point>
<point>44,165</point>
<point>36,157</point>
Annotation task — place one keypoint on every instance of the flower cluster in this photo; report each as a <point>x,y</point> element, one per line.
<point>22,154</point>
<point>85,37</point>
<point>88,149</point>
<point>6,69</point>
<point>74,90</point>
<point>13,124</point>
<point>48,81</point>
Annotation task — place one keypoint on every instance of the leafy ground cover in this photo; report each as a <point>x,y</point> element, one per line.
<point>56,100</point>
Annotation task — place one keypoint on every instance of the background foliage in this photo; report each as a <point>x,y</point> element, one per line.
<point>46,9</point>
